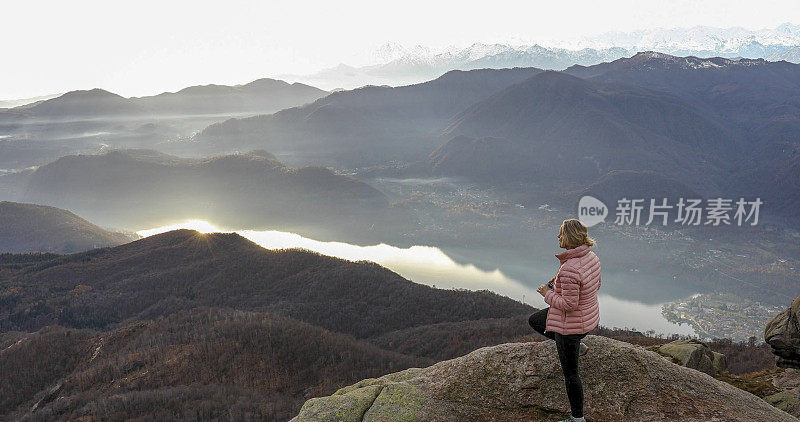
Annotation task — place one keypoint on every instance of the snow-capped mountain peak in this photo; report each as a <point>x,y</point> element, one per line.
<point>700,41</point>
<point>699,47</point>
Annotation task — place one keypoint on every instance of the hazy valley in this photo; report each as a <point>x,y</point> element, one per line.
<point>351,234</point>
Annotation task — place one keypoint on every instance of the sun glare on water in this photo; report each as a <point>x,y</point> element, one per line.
<point>197,225</point>
<point>422,264</point>
<point>430,265</point>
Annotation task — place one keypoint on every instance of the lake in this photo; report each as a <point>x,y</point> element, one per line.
<point>430,265</point>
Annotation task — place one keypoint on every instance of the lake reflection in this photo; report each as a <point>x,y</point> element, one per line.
<point>430,265</point>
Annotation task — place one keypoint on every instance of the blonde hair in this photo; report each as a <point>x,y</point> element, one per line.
<point>573,233</point>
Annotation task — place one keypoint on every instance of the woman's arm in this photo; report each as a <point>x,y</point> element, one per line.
<point>570,293</point>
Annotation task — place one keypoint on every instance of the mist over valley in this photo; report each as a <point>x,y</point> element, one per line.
<point>331,244</point>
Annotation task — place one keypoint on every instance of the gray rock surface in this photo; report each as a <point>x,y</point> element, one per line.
<point>523,382</point>
<point>696,355</point>
<point>783,334</point>
<point>788,399</point>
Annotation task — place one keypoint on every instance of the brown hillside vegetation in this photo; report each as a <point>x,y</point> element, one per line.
<point>38,228</point>
<point>211,363</point>
<point>185,325</point>
<point>201,364</point>
<point>184,269</point>
<point>448,340</point>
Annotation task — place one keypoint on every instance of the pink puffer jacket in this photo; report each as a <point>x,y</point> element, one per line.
<point>573,299</point>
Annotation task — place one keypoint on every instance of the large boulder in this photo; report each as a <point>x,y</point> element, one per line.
<point>523,382</point>
<point>696,355</point>
<point>783,334</point>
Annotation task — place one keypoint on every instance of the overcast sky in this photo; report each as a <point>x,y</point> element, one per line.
<point>146,47</point>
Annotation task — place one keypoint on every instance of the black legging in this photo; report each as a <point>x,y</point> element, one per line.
<point>567,346</point>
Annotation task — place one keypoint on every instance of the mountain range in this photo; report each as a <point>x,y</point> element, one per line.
<point>140,189</point>
<point>708,124</point>
<point>756,99</point>
<point>183,269</point>
<point>564,129</point>
<point>703,122</point>
<point>754,95</point>
<point>181,321</point>
<point>700,122</point>
<point>91,121</point>
<point>363,126</point>
<point>100,325</point>
<point>38,228</point>
<point>395,64</point>
<point>11,103</point>
<point>260,96</point>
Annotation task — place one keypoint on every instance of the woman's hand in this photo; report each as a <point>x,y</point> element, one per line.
<point>543,289</point>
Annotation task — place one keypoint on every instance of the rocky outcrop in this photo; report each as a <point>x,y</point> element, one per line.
<point>523,382</point>
<point>696,355</point>
<point>788,399</point>
<point>783,334</point>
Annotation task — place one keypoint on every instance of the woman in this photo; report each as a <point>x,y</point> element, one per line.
<point>573,311</point>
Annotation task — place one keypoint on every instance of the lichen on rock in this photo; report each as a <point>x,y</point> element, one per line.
<point>696,355</point>
<point>523,382</point>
